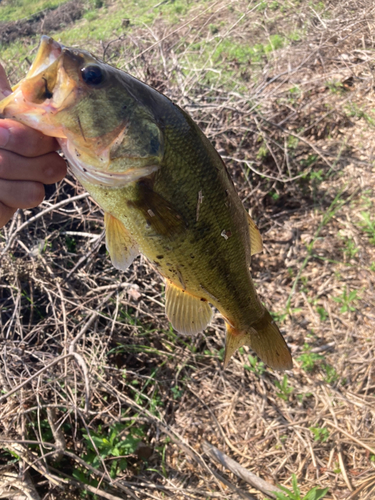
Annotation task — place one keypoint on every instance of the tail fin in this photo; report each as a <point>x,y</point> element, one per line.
<point>265,339</point>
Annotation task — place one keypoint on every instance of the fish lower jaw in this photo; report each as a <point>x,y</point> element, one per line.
<point>91,175</point>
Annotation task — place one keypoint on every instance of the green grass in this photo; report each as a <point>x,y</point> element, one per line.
<point>314,494</point>
<point>102,24</point>
<point>14,10</point>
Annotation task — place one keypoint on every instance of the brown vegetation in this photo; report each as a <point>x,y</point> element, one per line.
<point>84,347</point>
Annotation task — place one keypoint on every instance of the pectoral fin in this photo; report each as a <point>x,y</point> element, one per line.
<point>120,245</point>
<point>256,243</point>
<point>187,313</point>
<point>160,215</point>
<point>265,339</point>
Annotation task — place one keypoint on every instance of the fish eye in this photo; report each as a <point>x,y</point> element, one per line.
<point>92,75</point>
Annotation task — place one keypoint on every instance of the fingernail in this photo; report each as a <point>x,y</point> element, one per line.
<point>4,136</point>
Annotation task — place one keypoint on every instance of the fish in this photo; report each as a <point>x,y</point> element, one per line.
<point>165,191</point>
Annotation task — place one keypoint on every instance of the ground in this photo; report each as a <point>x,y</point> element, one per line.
<point>113,401</point>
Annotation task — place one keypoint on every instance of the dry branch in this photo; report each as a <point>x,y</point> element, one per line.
<point>255,481</point>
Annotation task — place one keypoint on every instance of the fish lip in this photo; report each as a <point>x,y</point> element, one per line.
<point>86,173</point>
<point>48,52</point>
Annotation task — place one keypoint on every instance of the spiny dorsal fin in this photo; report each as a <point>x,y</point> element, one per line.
<point>187,313</point>
<point>256,243</point>
<point>120,245</point>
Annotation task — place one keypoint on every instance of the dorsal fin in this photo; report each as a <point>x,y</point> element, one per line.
<point>120,245</point>
<point>256,243</point>
<point>187,313</point>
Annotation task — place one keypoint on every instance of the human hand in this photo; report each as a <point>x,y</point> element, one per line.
<point>27,161</point>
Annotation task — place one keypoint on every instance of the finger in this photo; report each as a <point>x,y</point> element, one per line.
<point>21,194</point>
<point>4,84</point>
<point>5,214</point>
<point>24,140</point>
<point>46,169</point>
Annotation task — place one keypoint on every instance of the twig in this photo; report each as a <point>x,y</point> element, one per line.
<point>358,441</point>
<point>38,216</point>
<point>27,381</point>
<point>237,469</point>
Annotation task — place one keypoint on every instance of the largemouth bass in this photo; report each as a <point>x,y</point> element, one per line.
<point>165,191</point>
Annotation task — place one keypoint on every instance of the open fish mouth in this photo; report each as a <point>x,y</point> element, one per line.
<point>48,52</point>
<point>43,91</point>
<point>48,98</point>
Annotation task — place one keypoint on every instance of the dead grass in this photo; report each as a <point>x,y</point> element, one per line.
<point>85,348</point>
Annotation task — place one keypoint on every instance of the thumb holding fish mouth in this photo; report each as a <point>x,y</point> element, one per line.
<point>28,160</point>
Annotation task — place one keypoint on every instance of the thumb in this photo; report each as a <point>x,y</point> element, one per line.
<point>5,89</point>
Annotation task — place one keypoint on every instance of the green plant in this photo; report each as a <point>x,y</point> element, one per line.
<point>276,42</point>
<point>71,244</point>
<point>346,300</point>
<point>257,367</point>
<point>103,445</point>
<point>321,434</point>
<point>314,175</point>
<point>323,314</point>
<point>350,250</point>
<point>301,397</point>
<point>368,225</point>
<point>284,388</point>
<point>309,359</point>
<point>177,392</point>
<point>335,87</point>
<point>262,151</point>
<point>314,494</point>
<point>331,374</point>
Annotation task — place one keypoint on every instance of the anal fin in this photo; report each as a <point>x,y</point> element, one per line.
<point>120,245</point>
<point>256,243</point>
<point>187,313</point>
<point>265,339</point>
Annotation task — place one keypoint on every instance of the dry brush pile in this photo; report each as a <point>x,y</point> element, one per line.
<point>100,395</point>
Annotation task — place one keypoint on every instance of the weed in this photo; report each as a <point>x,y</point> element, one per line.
<point>284,388</point>
<point>314,494</point>
<point>309,359</point>
<point>331,374</point>
<point>177,392</point>
<point>262,152</point>
<point>323,314</point>
<point>257,367</point>
<point>368,226</point>
<point>335,87</point>
<point>351,249</point>
<point>301,397</point>
<point>71,244</point>
<point>103,445</point>
<point>276,42</point>
<point>213,29</point>
<point>356,111</point>
<point>219,353</point>
<point>312,176</point>
<point>293,142</point>
<point>321,434</point>
<point>346,300</point>
<point>274,5</point>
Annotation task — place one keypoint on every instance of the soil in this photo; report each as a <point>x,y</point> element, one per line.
<point>43,22</point>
